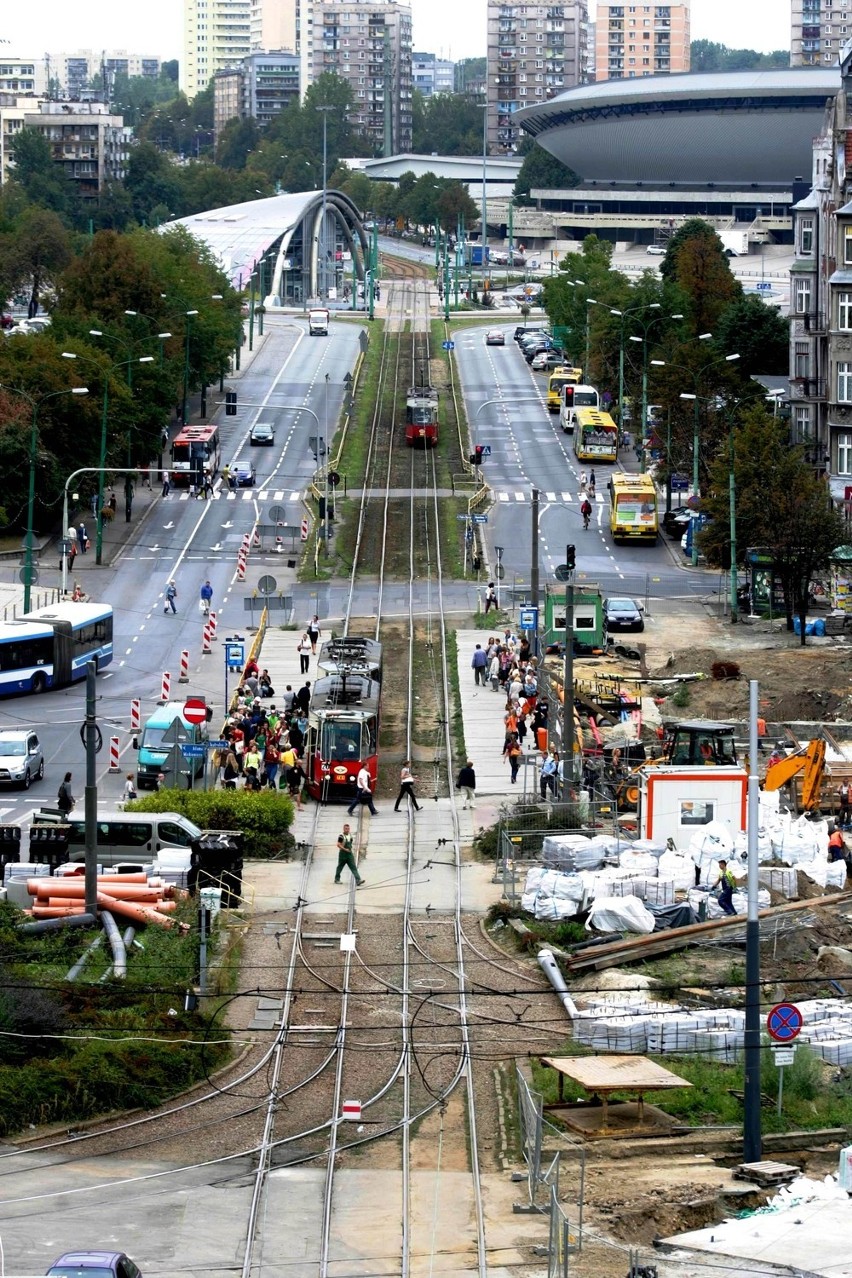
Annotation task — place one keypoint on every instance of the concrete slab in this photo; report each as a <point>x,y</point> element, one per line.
<point>815,1238</point>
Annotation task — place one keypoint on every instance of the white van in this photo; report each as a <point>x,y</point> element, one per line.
<point>132,836</point>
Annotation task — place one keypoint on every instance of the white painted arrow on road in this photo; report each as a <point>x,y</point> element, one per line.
<point>169,525</point>
<point>218,546</point>
<point>229,524</point>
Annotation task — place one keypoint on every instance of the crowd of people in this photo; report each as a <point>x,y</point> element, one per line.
<point>507,666</point>
<point>265,744</point>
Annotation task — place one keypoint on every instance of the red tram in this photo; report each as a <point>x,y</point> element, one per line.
<point>343,719</point>
<point>421,417</point>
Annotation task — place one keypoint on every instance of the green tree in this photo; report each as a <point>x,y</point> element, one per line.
<point>40,248</point>
<point>541,169</point>
<point>759,333</point>
<point>695,261</point>
<point>151,182</point>
<point>454,202</point>
<point>707,55</point>
<point>468,70</point>
<point>455,119</point>
<point>582,275</point>
<point>236,140</point>
<point>42,180</point>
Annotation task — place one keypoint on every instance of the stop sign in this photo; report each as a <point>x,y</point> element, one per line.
<point>195,710</point>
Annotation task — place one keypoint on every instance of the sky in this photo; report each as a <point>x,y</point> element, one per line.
<point>454,28</point>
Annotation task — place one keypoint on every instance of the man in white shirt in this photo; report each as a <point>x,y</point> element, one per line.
<point>364,795</point>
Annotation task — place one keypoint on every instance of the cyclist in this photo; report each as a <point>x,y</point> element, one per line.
<point>206,597</point>
<point>586,512</point>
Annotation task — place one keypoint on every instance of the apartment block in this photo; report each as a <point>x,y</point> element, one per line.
<point>819,30</point>
<point>216,35</point>
<point>431,74</point>
<point>23,75</point>
<point>90,143</point>
<point>77,70</point>
<point>634,40</point>
<point>534,52</point>
<point>368,43</point>
<point>275,24</point>
<point>262,86</point>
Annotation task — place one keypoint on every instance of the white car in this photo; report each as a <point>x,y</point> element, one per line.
<point>21,758</point>
<point>656,250</point>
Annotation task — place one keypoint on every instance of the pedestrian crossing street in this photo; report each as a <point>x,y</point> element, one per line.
<point>564,497</point>
<point>246,494</point>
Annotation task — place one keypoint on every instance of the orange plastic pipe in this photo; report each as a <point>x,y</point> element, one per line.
<point>129,910</point>
<point>140,877</point>
<point>77,890</point>
<point>54,911</point>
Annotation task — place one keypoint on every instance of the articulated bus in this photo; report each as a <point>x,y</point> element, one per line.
<point>573,399</point>
<point>595,436</point>
<point>561,377</point>
<point>633,512</point>
<point>196,450</point>
<point>50,646</point>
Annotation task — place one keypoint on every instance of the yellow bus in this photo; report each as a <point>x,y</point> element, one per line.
<point>564,375</point>
<point>633,509</point>
<point>595,436</point>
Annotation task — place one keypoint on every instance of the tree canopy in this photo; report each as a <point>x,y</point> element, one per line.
<point>707,55</point>
<point>541,169</point>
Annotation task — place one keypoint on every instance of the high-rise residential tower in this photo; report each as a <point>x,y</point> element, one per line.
<point>634,40</point>
<point>819,30</point>
<point>534,52</point>
<point>216,34</point>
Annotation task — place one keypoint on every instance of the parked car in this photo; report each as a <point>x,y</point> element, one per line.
<point>546,360</point>
<point>94,1264</point>
<point>623,614</point>
<point>495,337</point>
<point>525,330</point>
<point>243,475</point>
<point>262,433</point>
<point>676,520</point>
<point>21,757</point>
<point>656,250</point>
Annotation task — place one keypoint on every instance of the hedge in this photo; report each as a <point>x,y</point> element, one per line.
<point>264,816</point>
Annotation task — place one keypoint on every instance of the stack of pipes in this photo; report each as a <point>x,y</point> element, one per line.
<point>131,896</point>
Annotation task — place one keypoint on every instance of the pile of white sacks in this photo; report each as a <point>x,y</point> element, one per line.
<point>628,1023</point>
<point>615,881</point>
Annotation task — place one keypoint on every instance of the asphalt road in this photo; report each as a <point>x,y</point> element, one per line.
<point>190,541</point>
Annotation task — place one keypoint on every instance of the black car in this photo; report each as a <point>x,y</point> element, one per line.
<point>623,614</point>
<point>676,521</point>
<point>262,433</point>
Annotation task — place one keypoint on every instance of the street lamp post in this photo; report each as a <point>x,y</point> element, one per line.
<point>35,404</point>
<point>322,276</point>
<point>725,359</point>
<point>185,402</point>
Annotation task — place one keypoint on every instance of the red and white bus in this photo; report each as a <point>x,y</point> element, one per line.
<point>196,450</point>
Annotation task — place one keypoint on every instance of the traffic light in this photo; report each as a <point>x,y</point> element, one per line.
<point>230,403</point>
<point>477,455</point>
<point>570,557</point>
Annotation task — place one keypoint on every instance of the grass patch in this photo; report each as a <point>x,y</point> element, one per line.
<point>264,816</point>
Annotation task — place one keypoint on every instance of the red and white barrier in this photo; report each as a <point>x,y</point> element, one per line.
<point>212,623</point>
<point>255,541</point>
<point>304,531</point>
<point>135,715</point>
<point>206,649</point>
<point>241,564</point>
<point>166,687</point>
<point>114,754</point>
<point>183,677</point>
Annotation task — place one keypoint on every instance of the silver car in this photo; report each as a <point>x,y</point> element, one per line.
<point>21,757</point>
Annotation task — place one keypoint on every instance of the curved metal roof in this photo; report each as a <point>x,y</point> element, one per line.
<point>739,128</point>
<point>240,234</point>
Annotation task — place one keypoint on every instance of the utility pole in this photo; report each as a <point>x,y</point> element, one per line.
<point>534,588</point>
<point>751,1114</point>
<point>568,691</point>
<point>91,792</point>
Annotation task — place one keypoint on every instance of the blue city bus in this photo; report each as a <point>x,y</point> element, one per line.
<point>50,646</point>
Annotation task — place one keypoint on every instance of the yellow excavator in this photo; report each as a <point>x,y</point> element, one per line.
<point>807,761</point>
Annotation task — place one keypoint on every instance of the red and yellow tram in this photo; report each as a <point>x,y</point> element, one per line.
<point>421,417</point>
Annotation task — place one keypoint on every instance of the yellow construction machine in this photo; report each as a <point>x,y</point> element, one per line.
<point>807,761</point>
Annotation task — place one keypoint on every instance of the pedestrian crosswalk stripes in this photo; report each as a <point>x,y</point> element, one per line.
<point>564,497</point>
<point>247,494</point>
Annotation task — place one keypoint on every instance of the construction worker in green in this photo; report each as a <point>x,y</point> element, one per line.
<point>346,857</point>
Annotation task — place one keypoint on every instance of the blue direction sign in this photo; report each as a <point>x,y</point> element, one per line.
<point>528,619</point>
<point>235,655</point>
<point>480,519</point>
<point>764,286</point>
<point>218,745</point>
<point>680,483</point>
<point>191,751</point>
<point>448,346</point>
<point>486,450</point>
<point>462,518</point>
<point>784,1022</point>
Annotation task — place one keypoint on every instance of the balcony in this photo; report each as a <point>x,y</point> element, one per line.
<point>808,388</point>
<point>812,321</point>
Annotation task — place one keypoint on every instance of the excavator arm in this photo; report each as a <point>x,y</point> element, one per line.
<point>811,764</point>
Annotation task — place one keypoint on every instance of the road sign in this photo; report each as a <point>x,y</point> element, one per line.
<point>480,519</point>
<point>784,1022</point>
<point>763,286</point>
<point>235,655</point>
<point>266,585</point>
<point>351,1110</point>
<point>219,745</point>
<point>680,483</point>
<point>462,518</point>
<point>528,619</point>
<point>191,751</point>
<point>486,450</point>
<point>563,573</point>
<point>448,346</point>
<point>784,1055</point>
<point>277,514</point>
<point>175,733</point>
<point>498,551</point>
<point>195,710</point>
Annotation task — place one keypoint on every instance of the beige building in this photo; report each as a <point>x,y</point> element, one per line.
<point>819,30</point>
<point>368,43</point>
<point>534,52</point>
<point>634,40</point>
<point>23,75</point>
<point>274,24</point>
<point>216,34</point>
<point>89,142</point>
